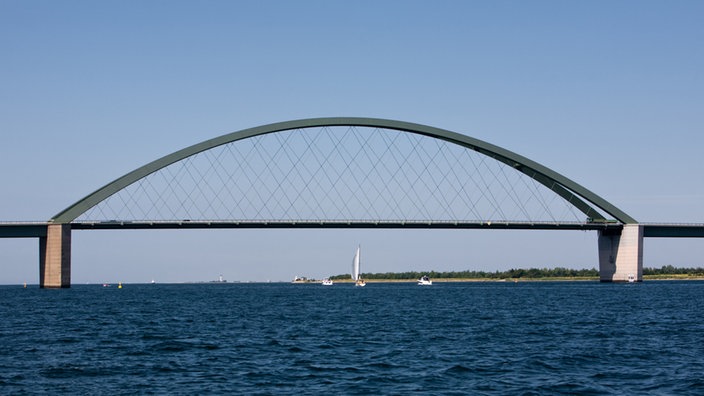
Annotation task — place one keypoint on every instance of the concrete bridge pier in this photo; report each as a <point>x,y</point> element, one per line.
<point>55,257</point>
<point>621,254</point>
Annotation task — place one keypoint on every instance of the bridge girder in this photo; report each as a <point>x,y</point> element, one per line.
<point>572,192</point>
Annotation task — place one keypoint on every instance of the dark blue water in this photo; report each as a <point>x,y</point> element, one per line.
<point>451,338</point>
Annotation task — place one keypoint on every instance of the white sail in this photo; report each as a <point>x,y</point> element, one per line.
<point>355,266</point>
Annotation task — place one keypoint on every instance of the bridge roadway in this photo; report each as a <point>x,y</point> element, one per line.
<point>656,230</point>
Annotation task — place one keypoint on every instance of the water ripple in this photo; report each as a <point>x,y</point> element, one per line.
<point>486,339</point>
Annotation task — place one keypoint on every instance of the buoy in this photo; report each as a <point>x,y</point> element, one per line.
<point>25,285</point>
<point>119,285</point>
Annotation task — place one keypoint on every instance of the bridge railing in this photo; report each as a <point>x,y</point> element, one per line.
<point>444,224</point>
<point>29,222</point>
<point>672,224</point>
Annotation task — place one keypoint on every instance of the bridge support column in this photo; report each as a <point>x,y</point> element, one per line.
<point>621,254</point>
<point>55,257</point>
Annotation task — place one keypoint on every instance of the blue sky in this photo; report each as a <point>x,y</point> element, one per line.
<point>608,93</point>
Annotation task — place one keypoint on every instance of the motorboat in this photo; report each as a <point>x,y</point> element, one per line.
<point>425,281</point>
<point>327,282</point>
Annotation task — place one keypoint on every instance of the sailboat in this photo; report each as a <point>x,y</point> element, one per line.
<point>355,270</point>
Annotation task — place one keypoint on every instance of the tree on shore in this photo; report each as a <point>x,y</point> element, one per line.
<point>531,273</point>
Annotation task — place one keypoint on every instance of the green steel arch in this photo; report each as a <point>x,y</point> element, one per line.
<point>574,193</point>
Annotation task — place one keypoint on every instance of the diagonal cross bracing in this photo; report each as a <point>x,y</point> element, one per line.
<point>342,169</point>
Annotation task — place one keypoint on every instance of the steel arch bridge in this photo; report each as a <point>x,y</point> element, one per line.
<point>590,204</point>
<point>339,173</point>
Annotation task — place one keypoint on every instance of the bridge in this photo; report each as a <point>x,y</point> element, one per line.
<point>347,173</point>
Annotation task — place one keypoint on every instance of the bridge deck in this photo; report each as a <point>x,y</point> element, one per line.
<point>651,230</point>
<point>23,229</point>
<point>673,230</point>
<point>110,225</point>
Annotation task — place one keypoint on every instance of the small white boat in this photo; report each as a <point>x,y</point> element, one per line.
<point>327,282</point>
<point>631,278</point>
<point>425,281</point>
<point>358,281</point>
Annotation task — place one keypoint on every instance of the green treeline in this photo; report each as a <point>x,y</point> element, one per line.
<point>532,273</point>
<point>670,270</point>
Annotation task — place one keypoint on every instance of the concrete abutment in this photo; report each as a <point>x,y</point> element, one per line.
<point>621,254</point>
<point>55,257</point>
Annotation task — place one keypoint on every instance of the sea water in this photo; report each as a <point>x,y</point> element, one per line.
<point>387,338</point>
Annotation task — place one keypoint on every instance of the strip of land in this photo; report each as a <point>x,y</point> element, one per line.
<point>668,272</point>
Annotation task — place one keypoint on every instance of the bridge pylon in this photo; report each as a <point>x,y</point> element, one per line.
<point>55,257</point>
<point>621,254</point>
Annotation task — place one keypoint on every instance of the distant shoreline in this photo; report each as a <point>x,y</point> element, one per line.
<point>513,280</point>
<point>648,278</point>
